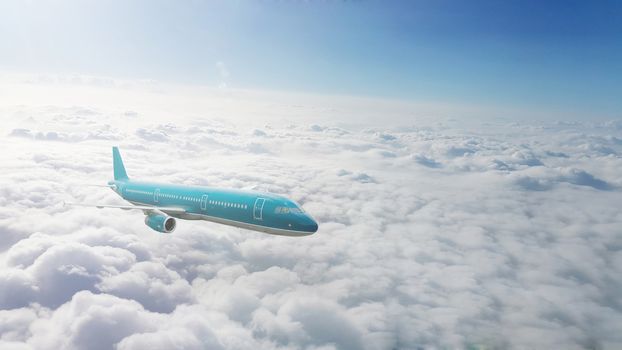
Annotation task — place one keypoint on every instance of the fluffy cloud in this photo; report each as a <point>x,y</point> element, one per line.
<point>432,235</point>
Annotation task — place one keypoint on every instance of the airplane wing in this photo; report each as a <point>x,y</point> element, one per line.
<point>129,207</point>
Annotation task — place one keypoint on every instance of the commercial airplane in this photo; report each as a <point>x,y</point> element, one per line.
<point>164,203</point>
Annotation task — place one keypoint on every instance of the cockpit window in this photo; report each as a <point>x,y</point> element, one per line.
<point>286,210</point>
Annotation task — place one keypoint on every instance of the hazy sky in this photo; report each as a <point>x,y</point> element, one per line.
<point>438,229</point>
<point>558,56</point>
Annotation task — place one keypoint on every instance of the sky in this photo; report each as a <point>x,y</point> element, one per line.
<point>463,160</point>
<point>560,57</point>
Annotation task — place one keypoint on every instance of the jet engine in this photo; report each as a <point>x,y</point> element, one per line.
<point>161,222</point>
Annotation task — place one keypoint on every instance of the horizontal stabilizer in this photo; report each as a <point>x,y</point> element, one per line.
<point>113,186</point>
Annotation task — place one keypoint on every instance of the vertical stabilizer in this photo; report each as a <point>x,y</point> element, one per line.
<point>117,163</point>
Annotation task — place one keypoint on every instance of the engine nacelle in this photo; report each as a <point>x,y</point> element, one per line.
<point>161,223</point>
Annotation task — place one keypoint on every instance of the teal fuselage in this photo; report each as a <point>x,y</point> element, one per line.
<point>257,211</point>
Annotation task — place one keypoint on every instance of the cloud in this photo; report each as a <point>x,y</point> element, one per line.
<point>223,73</point>
<point>152,284</point>
<point>222,69</point>
<point>91,321</point>
<point>434,235</point>
<point>152,135</point>
<point>544,179</point>
<point>425,161</point>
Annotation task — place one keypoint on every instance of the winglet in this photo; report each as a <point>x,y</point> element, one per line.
<point>117,163</point>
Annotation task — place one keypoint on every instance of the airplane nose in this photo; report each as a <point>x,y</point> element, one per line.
<point>313,227</point>
<point>310,225</point>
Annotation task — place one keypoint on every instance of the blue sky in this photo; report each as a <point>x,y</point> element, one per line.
<point>545,55</point>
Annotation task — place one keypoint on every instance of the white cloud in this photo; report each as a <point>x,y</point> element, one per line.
<point>92,321</point>
<point>222,69</point>
<point>223,73</point>
<point>432,235</point>
<point>150,283</point>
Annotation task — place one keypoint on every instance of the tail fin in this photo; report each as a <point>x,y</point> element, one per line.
<point>117,163</point>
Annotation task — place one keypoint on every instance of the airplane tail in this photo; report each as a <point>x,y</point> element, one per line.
<point>117,163</point>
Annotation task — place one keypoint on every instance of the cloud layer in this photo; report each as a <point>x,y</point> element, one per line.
<point>440,235</point>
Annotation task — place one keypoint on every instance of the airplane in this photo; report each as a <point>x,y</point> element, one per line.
<point>164,203</point>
